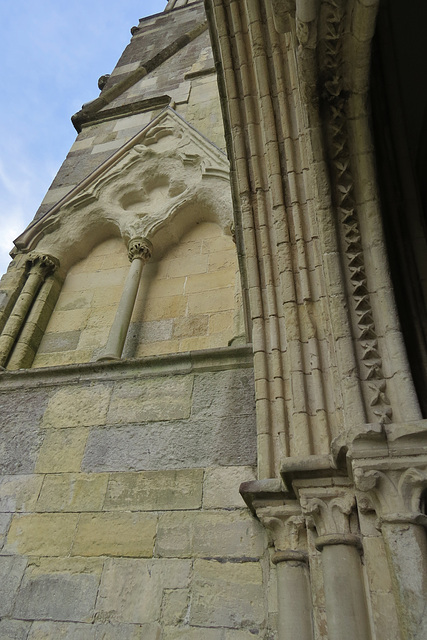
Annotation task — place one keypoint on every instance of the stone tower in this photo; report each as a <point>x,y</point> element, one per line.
<point>205,303</point>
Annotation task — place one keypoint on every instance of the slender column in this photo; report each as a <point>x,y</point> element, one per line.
<point>395,493</point>
<point>293,582</point>
<point>40,267</point>
<point>35,325</point>
<point>139,253</point>
<point>329,509</point>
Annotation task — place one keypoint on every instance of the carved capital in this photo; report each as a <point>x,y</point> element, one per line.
<point>396,492</point>
<point>329,511</point>
<point>140,248</point>
<point>286,525</point>
<point>42,263</point>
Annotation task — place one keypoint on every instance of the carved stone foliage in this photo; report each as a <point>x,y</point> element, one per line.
<point>140,248</point>
<point>286,525</point>
<point>42,263</point>
<point>335,103</point>
<point>395,493</point>
<point>141,191</point>
<point>331,512</point>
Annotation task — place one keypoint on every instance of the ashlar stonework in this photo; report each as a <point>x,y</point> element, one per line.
<point>212,416</point>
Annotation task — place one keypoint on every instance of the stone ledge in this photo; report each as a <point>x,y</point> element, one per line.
<point>220,359</point>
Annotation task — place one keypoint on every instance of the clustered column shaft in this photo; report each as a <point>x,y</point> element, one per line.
<point>139,253</point>
<point>41,266</point>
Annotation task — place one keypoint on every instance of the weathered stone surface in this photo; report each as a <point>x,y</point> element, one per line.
<point>148,400</point>
<point>72,492</point>
<point>20,438</point>
<point>62,450</point>
<point>59,341</point>
<point>78,407</point>
<point>205,633</point>
<point>192,633</point>
<point>208,534</point>
<point>223,394</point>
<point>14,629</point>
<point>132,589</point>
<point>5,519</point>
<point>42,534</point>
<point>115,534</point>
<point>128,631</point>
<point>172,445</point>
<point>11,571</point>
<point>59,589</point>
<point>155,490</point>
<point>221,487</point>
<point>19,493</point>
<point>175,606</point>
<point>61,631</point>
<point>227,595</point>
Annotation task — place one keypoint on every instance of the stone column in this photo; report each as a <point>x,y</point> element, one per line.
<point>139,253</point>
<point>395,493</point>
<point>329,510</point>
<point>40,266</point>
<point>286,523</point>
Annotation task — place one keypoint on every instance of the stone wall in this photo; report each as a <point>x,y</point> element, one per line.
<point>119,508</point>
<point>188,299</point>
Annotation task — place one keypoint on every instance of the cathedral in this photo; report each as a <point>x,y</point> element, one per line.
<point>213,339</point>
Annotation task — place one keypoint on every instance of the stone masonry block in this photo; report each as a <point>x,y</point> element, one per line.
<point>155,490</point>
<point>60,589</point>
<point>42,534</point>
<point>62,450</point>
<point>80,631</point>
<point>77,407</point>
<point>224,393</point>
<point>11,571</point>
<point>128,631</point>
<point>19,493</point>
<point>172,445</point>
<point>208,535</point>
<point>73,492</point>
<point>115,534</point>
<point>221,487</point>
<point>175,606</point>
<point>166,398</point>
<point>58,342</point>
<point>14,629</point>
<point>45,630</point>
<point>5,519</point>
<point>227,595</point>
<point>192,633</point>
<point>132,589</point>
<point>20,437</point>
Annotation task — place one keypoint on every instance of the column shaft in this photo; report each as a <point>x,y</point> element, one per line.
<point>119,329</point>
<point>294,599</point>
<point>40,268</point>
<point>346,608</point>
<point>406,544</point>
<point>139,253</point>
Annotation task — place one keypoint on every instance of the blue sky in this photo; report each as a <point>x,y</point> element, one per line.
<point>52,55</point>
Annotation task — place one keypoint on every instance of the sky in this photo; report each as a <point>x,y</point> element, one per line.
<point>52,54</point>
